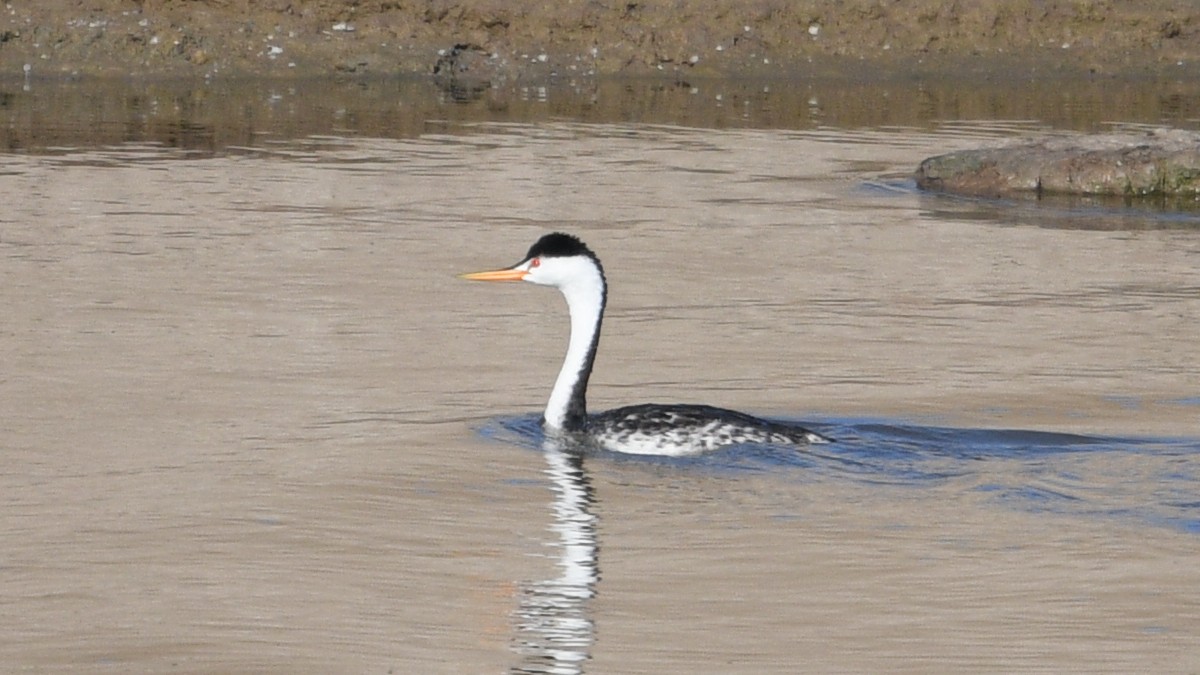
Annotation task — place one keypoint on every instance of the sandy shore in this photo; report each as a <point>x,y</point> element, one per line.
<point>500,41</point>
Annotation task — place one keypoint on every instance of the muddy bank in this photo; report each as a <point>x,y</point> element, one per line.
<point>503,41</point>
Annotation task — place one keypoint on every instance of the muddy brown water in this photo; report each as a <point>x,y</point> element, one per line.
<point>246,402</point>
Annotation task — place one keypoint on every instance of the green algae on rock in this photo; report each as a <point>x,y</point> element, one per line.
<point>1159,163</point>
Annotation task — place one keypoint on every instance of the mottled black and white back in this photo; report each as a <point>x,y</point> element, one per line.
<point>686,429</point>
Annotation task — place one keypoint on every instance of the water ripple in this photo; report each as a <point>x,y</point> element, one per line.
<point>1149,480</point>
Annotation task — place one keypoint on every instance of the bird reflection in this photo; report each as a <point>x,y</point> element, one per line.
<point>554,628</point>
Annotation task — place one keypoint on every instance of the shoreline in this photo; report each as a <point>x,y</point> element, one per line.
<point>497,43</point>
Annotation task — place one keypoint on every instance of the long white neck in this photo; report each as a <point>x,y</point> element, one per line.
<point>585,294</point>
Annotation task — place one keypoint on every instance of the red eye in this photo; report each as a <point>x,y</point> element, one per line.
<point>535,262</point>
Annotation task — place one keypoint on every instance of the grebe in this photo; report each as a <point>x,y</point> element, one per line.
<point>566,263</point>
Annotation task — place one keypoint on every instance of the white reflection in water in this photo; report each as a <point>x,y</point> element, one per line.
<point>554,626</point>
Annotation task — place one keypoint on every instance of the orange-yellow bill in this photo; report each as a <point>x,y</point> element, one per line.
<point>496,275</point>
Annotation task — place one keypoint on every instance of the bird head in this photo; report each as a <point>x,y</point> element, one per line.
<point>558,260</point>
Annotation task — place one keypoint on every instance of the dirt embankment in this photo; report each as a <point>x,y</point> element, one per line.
<point>502,40</point>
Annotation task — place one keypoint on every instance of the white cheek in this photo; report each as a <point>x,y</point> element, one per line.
<point>546,274</point>
<point>541,278</point>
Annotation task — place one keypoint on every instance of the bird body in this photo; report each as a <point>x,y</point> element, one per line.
<point>683,429</point>
<point>564,262</point>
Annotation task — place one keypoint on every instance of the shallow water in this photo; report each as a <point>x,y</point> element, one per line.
<point>1031,480</point>
<point>1141,480</point>
<point>253,422</point>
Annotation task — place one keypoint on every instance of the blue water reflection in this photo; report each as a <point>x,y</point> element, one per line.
<point>1147,480</point>
<point>1150,480</point>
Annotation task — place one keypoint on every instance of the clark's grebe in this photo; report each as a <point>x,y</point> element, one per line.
<point>564,262</point>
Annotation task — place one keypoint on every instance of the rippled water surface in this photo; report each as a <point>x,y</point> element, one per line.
<point>252,422</point>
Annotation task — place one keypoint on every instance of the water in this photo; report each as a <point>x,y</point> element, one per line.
<point>1143,481</point>
<point>1045,476</point>
<point>253,422</point>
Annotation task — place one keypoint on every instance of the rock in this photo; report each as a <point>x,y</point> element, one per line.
<point>467,70</point>
<point>352,64</point>
<point>1161,162</point>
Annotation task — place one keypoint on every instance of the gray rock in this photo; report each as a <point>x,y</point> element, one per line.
<point>1161,162</point>
<point>466,71</point>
